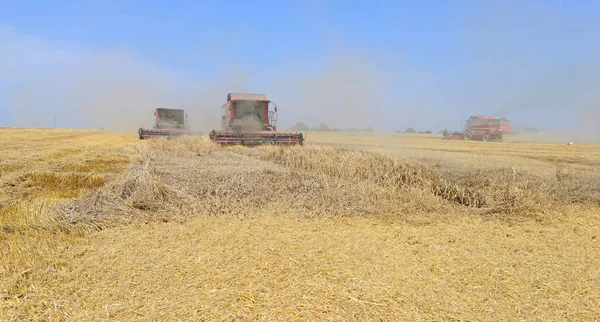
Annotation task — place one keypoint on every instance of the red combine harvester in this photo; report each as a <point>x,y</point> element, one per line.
<point>482,128</point>
<point>169,123</point>
<point>247,120</point>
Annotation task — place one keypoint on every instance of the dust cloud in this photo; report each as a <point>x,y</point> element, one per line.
<point>569,93</point>
<point>535,64</point>
<point>96,89</point>
<point>346,93</point>
<point>116,90</point>
<point>495,68</point>
<point>26,115</point>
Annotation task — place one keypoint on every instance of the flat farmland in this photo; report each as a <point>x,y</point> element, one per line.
<point>352,226</point>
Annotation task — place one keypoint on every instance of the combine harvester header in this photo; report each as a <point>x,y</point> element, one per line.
<point>169,123</point>
<point>482,128</point>
<point>247,120</point>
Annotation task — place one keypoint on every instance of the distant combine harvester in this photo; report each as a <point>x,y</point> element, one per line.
<point>482,128</point>
<point>168,123</point>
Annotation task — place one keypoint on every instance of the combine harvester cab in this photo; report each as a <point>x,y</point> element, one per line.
<point>169,123</point>
<point>482,128</point>
<point>246,120</point>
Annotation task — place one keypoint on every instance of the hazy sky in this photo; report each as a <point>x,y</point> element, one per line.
<point>387,64</point>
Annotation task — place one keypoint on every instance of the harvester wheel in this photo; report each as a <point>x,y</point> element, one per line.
<point>486,138</point>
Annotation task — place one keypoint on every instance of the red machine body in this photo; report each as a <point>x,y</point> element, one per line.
<point>482,128</point>
<point>247,120</point>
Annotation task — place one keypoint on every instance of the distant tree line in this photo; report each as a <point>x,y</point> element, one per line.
<point>412,130</point>
<point>323,127</point>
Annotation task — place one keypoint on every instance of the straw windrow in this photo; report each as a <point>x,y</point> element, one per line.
<point>182,229</point>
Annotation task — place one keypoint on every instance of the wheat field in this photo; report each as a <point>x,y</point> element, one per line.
<point>350,227</point>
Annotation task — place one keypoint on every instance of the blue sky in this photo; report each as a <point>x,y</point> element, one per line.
<point>387,64</point>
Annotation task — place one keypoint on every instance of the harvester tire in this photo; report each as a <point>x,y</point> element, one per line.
<point>486,138</point>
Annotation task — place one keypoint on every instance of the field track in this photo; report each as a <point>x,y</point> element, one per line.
<point>100,226</point>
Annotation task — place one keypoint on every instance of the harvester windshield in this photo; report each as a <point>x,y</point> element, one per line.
<point>170,118</point>
<point>250,109</point>
<point>250,115</point>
